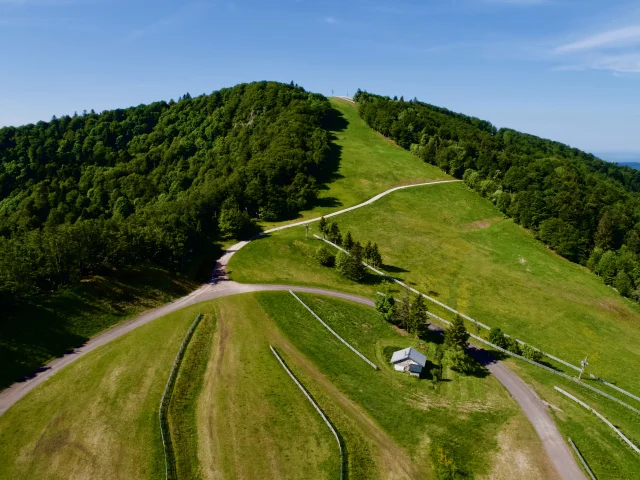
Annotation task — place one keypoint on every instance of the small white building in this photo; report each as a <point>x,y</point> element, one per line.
<point>408,360</point>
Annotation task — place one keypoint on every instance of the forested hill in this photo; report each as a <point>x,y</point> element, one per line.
<point>88,193</point>
<point>586,209</point>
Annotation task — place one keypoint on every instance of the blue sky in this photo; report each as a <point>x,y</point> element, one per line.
<point>562,69</point>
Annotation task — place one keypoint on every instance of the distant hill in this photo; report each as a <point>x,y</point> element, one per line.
<point>634,165</point>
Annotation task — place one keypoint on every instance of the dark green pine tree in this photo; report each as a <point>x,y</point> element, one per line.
<point>348,241</point>
<point>456,336</point>
<point>323,226</point>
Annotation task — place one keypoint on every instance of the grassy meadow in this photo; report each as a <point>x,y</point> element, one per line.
<point>98,418</point>
<point>448,242</point>
<point>182,414</point>
<point>425,431</point>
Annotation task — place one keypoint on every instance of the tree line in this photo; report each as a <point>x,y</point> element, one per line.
<point>585,209</point>
<point>87,193</point>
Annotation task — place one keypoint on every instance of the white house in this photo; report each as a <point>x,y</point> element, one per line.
<point>409,360</point>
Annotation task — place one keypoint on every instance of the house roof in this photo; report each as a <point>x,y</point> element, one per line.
<point>409,354</point>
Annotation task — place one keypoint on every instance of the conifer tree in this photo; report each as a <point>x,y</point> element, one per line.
<point>323,226</point>
<point>368,252</point>
<point>418,323</point>
<point>348,241</point>
<point>456,336</point>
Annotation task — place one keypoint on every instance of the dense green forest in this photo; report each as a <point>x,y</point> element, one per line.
<point>86,194</point>
<point>586,209</point>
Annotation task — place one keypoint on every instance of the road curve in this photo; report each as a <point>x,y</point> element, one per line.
<point>218,287</point>
<point>221,286</point>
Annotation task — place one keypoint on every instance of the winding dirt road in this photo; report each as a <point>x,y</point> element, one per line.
<point>221,286</point>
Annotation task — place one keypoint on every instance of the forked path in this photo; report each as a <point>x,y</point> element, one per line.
<point>221,286</point>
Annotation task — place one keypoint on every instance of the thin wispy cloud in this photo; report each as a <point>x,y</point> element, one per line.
<point>627,36</point>
<point>330,20</point>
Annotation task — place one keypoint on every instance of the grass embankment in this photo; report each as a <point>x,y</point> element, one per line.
<point>468,421</point>
<point>98,417</point>
<point>448,242</point>
<point>367,164</point>
<point>253,421</point>
<point>182,416</point>
<point>52,324</point>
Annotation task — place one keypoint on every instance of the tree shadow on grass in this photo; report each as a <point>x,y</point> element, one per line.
<point>393,269</point>
<point>483,359</point>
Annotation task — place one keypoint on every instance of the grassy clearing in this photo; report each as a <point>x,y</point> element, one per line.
<point>427,425</point>
<point>368,164</point>
<point>182,414</point>
<point>253,421</point>
<point>97,418</point>
<point>448,242</point>
<point>52,324</point>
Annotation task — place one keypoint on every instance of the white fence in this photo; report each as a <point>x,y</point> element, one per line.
<point>610,397</point>
<point>315,405</point>
<point>166,398</point>
<point>334,333</point>
<point>620,434</point>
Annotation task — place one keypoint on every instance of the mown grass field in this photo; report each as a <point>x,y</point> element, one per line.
<point>252,420</point>
<point>236,413</point>
<point>367,164</point>
<point>97,418</point>
<point>470,421</point>
<point>50,325</point>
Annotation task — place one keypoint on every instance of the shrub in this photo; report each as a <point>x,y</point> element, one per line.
<point>531,353</point>
<point>497,337</point>
<point>325,257</point>
<point>386,305</point>
<point>458,360</point>
<point>513,346</point>
<point>349,267</point>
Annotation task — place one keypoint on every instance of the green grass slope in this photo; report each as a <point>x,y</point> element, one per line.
<point>252,420</point>
<point>368,164</point>
<point>429,428</point>
<point>236,413</point>
<point>446,240</point>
